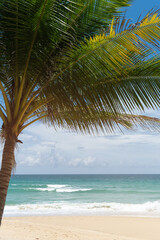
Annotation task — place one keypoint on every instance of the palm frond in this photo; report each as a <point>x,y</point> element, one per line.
<point>46,72</point>
<point>111,57</point>
<point>95,16</point>
<point>140,89</point>
<point>97,122</point>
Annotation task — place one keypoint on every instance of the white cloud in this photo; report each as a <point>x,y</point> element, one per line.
<point>75,162</point>
<point>25,137</point>
<point>48,150</point>
<point>30,161</point>
<point>83,162</point>
<point>89,160</point>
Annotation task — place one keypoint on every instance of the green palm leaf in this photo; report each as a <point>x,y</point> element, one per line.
<point>92,122</point>
<point>45,70</point>
<point>110,60</point>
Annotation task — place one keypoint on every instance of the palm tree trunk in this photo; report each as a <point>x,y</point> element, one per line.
<point>6,170</point>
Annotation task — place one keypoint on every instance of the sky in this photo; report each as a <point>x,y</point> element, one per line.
<point>46,151</point>
<point>141,7</point>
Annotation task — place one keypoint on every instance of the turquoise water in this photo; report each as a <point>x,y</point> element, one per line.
<point>137,195</point>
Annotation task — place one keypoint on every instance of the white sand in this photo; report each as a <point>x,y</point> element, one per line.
<point>80,228</point>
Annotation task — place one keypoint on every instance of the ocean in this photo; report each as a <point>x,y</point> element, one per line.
<point>122,195</point>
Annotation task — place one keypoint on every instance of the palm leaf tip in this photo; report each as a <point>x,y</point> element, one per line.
<point>145,122</point>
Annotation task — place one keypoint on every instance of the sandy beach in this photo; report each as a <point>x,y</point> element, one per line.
<point>80,228</point>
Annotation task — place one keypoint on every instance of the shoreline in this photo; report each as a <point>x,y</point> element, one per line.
<point>80,228</point>
<point>146,209</point>
<point>81,215</point>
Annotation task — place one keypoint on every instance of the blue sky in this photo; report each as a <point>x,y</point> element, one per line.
<point>141,7</point>
<point>47,151</point>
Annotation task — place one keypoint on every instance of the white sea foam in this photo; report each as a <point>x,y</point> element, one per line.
<point>61,188</point>
<point>73,190</point>
<point>50,187</point>
<point>150,209</point>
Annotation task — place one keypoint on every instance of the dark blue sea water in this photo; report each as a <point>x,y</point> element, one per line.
<point>137,195</point>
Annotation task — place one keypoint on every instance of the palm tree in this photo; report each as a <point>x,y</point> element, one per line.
<point>66,62</point>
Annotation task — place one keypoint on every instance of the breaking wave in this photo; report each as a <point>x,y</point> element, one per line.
<point>60,188</point>
<point>149,209</point>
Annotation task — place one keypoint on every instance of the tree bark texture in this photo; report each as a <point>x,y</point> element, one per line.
<point>6,170</point>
